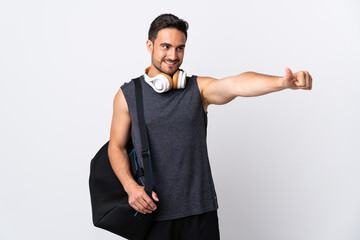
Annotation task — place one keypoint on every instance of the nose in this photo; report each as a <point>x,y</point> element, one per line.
<point>172,55</point>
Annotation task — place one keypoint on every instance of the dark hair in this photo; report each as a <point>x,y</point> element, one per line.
<point>167,20</point>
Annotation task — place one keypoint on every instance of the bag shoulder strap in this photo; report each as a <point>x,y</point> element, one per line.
<point>145,152</point>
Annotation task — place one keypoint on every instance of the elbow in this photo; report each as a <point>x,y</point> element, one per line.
<point>243,85</point>
<point>237,87</point>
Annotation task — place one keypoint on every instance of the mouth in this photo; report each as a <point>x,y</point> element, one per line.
<point>170,63</point>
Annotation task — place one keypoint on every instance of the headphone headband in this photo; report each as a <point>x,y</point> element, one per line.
<point>163,82</point>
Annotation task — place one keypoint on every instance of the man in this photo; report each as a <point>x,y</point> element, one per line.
<point>184,201</point>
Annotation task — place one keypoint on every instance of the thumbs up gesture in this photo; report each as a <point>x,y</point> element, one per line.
<point>298,80</point>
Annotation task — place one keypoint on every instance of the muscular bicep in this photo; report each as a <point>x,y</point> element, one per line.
<point>216,91</point>
<point>120,124</point>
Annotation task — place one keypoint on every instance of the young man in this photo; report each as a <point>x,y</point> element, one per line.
<point>184,201</point>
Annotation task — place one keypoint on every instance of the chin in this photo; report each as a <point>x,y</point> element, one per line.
<point>171,71</point>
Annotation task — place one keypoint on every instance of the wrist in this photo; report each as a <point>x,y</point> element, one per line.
<point>281,83</point>
<point>130,184</point>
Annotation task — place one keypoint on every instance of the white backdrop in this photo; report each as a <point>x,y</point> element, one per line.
<point>285,165</point>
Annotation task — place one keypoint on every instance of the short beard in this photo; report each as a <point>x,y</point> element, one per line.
<point>160,70</point>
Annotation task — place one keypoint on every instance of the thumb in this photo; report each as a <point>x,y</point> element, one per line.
<point>288,73</point>
<point>154,196</point>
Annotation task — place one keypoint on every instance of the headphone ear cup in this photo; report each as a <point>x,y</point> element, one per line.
<point>181,79</point>
<point>176,79</point>
<point>169,79</point>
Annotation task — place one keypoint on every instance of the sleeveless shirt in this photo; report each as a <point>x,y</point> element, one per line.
<point>176,123</point>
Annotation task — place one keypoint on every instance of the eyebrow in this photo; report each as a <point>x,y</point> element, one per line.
<point>167,44</point>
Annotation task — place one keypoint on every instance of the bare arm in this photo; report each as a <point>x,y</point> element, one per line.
<point>119,136</point>
<point>249,84</point>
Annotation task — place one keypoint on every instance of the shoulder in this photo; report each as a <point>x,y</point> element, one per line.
<point>127,85</point>
<point>119,99</point>
<point>124,95</point>
<point>203,82</point>
<point>128,90</point>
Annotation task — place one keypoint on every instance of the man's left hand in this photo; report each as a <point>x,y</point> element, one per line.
<point>298,80</point>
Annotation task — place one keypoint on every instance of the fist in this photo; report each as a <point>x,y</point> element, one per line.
<point>298,80</point>
<point>140,201</point>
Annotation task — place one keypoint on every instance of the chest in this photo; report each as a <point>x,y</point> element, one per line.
<point>177,107</point>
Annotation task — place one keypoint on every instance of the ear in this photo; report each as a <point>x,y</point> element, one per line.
<point>149,46</point>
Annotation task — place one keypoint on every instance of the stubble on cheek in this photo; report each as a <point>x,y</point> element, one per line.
<point>162,66</point>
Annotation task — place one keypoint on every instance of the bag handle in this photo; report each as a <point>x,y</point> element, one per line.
<point>145,152</point>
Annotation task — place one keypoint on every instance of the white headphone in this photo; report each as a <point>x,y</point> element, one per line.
<point>163,82</point>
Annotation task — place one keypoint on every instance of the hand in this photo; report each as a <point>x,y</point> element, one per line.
<point>299,80</point>
<point>140,201</point>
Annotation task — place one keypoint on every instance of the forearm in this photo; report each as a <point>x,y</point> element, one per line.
<point>120,163</point>
<point>251,84</point>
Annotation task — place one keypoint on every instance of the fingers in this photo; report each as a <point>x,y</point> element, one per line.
<point>140,206</point>
<point>304,80</point>
<point>149,203</point>
<point>147,207</point>
<point>141,202</point>
<point>308,81</point>
<point>306,76</point>
<point>154,196</point>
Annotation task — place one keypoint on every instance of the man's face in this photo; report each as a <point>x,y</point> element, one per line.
<point>167,51</point>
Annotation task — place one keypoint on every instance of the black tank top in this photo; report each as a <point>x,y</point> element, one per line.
<point>176,124</point>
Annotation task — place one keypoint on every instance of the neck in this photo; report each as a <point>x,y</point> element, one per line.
<point>153,71</point>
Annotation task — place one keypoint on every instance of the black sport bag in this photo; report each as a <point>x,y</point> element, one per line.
<point>109,201</point>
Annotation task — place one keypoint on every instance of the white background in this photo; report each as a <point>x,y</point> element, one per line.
<point>285,165</point>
